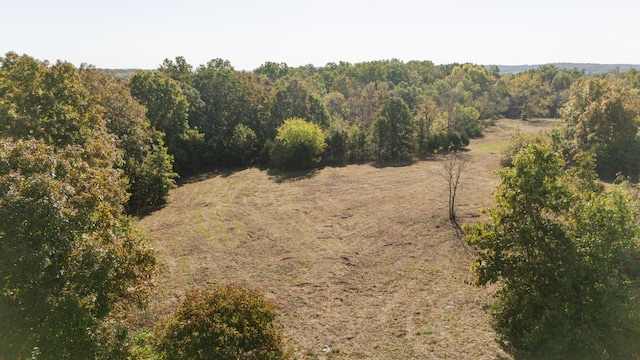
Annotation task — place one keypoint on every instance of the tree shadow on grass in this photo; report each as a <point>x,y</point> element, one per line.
<point>220,172</point>
<point>392,163</point>
<point>282,176</point>
<point>223,172</point>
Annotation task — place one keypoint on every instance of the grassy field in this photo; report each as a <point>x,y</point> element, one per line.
<point>361,260</point>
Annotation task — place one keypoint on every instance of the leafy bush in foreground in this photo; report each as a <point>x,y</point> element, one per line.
<point>228,322</point>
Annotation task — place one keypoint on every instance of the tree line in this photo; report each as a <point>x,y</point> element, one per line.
<point>372,111</point>
<point>179,120</point>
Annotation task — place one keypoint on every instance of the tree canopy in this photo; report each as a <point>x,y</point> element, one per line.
<point>565,252</point>
<point>69,258</point>
<point>602,119</point>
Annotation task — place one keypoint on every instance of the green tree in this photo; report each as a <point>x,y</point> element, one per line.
<point>364,102</point>
<point>228,103</point>
<point>336,104</point>
<point>565,252</point>
<point>180,70</point>
<point>243,145</point>
<point>146,163</point>
<point>68,256</point>
<point>293,99</point>
<point>395,130</point>
<point>530,95</point>
<point>47,102</point>
<point>602,119</point>
<point>357,144</point>
<point>466,120</point>
<point>226,323</point>
<point>167,107</point>
<point>298,145</point>
<point>168,111</point>
<point>273,70</point>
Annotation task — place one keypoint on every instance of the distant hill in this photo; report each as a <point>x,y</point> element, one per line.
<point>591,69</point>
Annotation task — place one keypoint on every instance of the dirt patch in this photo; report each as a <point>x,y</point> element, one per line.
<point>362,261</point>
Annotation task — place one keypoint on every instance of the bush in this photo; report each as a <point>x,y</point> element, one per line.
<point>448,142</point>
<point>298,145</point>
<point>519,141</point>
<point>228,322</point>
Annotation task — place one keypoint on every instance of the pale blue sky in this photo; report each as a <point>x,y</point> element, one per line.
<point>142,33</point>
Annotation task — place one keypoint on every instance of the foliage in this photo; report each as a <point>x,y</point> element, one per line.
<point>442,141</point>
<point>150,180</point>
<point>467,121</point>
<point>227,322</point>
<point>47,102</point>
<point>146,163</point>
<point>168,110</point>
<point>520,141</point>
<point>395,130</point>
<point>273,70</point>
<point>530,95</point>
<point>464,97</point>
<point>293,99</point>
<point>356,144</point>
<point>167,107</point>
<point>602,119</point>
<point>336,149</point>
<point>68,256</point>
<point>299,144</point>
<point>228,103</point>
<point>564,250</point>
<point>243,145</point>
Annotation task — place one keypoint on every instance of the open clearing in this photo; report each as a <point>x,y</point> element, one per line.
<point>361,260</point>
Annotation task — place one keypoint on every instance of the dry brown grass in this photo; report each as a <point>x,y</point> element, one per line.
<point>362,261</point>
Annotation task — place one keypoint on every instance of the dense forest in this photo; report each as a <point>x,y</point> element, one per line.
<point>82,149</point>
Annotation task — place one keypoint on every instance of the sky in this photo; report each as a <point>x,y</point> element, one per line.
<point>140,34</point>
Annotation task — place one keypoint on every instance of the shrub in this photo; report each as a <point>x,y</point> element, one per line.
<point>519,141</point>
<point>228,322</point>
<point>449,142</point>
<point>299,144</point>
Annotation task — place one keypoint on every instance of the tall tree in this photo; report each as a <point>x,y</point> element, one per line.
<point>293,99</point>
<point>602,119</point>
<point>530,95</point>
<point>168,111</point>
<point>146,163</point>
<point>68,257</point>
<point>564,250</point>
<point>167,107</point>
<point>228,103</point>
<point>273,70</point>
<point>47,102</point>
<point>395,130</point>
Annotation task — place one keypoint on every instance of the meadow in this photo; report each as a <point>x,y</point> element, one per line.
<point>361,260</point>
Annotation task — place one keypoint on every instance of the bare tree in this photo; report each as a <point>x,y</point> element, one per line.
<point>454,164</point>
